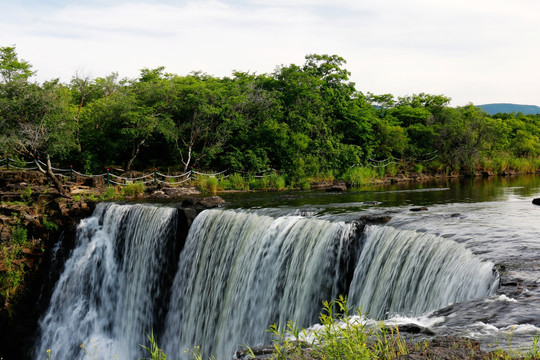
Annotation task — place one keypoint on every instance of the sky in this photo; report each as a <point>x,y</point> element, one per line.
<point>473,51</point>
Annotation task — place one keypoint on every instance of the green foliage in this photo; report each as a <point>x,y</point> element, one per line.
<point>49,225</point>
<point>26,195</point>
<point>304,120</point>
<point>11,67</point>
<point>236,182</point>
<point>212,183</point>
<point>13,275</point>
<point>19,235</point>
<point>340,337</point>
<point>155,352</point>
<point>133,189</point>
<point>277,182</point>
<point>109,194</point>
<point>358,176</point>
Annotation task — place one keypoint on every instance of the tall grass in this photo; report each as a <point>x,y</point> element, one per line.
<point>133,189</point>
<point>359,175</point>
<point>235,181</point>
<point>339,337</point>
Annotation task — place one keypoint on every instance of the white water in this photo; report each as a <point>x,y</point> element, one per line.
<point>408,273</point>
<point>108,292</point>
<point>239,272</point>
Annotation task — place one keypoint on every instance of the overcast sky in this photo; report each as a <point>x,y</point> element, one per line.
<point>479,51</point>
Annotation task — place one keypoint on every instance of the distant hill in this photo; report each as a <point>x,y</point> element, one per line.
<point>493,109</point>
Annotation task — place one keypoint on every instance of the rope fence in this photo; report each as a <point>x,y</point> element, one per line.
<point>394,160</point>
<point>155,177</point>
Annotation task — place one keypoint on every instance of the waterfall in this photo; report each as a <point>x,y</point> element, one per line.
<point>409,273</point>
<point>238,273</point>
<point>111,290</point>
<point>241,272</point>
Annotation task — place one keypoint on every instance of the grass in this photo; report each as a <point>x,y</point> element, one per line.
<point>155,352</point>
<point>505,162</point>
<point>235,181</point>
<point>359,175</point>
<point>339,337</point>
<point>133,189</point>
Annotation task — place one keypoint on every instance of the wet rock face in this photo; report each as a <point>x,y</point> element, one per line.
<point>338,187</point>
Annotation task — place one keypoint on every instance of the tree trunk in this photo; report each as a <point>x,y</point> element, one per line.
<point>57,184</point>
<point>134,153</point>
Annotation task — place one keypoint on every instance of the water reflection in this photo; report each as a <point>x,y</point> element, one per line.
<point>445,191</point>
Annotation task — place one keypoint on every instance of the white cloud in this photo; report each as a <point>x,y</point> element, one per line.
<point>480,50</point>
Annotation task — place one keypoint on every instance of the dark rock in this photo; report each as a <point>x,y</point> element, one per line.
<point>321,185</point>
<point>211,202</point>
<point>337,188</point>
<point>423,208</point>
<point>179,192</point>
<point>95,182</point>
<point>159,195</point>
<point>415,329</point>
<point>455,215</point>
<point>260,352</point>
<point>508,173</point>
<point>536,201</point>
<point>488,173</point>
<point>200,204</point>
<point>375,219</point>
<point>164,185</point>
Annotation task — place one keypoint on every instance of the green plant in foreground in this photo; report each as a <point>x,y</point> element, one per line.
<point>358,176</point>
<point>26,195</point>
<point>237,182</point>
<point>155,352</point>
<point>212,184</point>
<point>19,235</point>
<point>109,194</point>
<point>49,225</point>
<point>340,337</point>
<point>133,189</point>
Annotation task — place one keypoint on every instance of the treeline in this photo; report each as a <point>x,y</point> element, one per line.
<point>304,120</point>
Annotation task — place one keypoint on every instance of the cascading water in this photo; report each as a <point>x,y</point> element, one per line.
<point>238,273</point>
<point>408,273</point>
<point>110,292</point>
<point>241,272</point>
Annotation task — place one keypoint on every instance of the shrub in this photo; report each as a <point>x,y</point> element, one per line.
<point>26,195</point>
<point>359,175</point>
<point>109,194</point>
<point>237,182</point>
<point>339,337</point>
<point>277,181</point>
<point>212,184</point>
<point>19,235</point>
<point>49,225</point>
<point>133,189</point>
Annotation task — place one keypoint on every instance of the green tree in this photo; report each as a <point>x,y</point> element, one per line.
<point>11,67</point>
<point>197,125</point>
